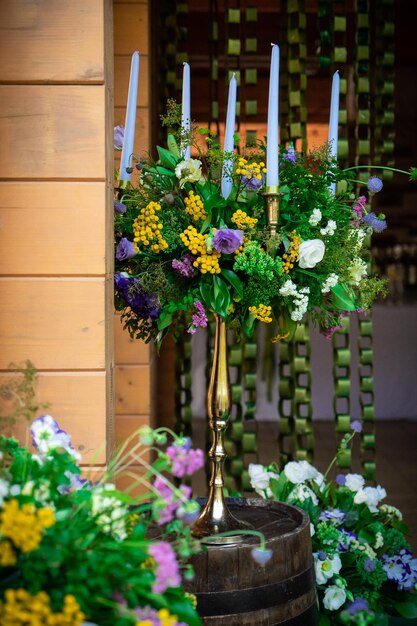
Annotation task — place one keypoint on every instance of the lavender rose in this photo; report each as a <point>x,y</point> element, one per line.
<point>125,250</point>
<point>227,240</point>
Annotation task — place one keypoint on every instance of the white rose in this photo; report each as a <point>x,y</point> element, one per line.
<point>310,253</point>
<point>188,171</point>
<point>259,478</point>
<point>326,569</point>
<point>334,597</point>
<point>354,482</point>
<point>370,496</point>
<point>300,471</point>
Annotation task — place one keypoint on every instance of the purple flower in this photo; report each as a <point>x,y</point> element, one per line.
<point>184,267</point>
<point>340,479</point>
<point>185,460</point>
<point>119,207</point>
<point>356,426</point>
<point>358,605</point>
<point>401,568</point>
<point>167,571</point>
<point>129,289</point>
<point>335,515</point>
<point>369,565</point>
<point>118,137</point>
<point>345,539</point>
<point>150,616</point>
<point>377,224</point>
<point>47,435</point>
<point>125,250</point>
<point>227,240</point>
<point>290,155</point>
<point>253,184</point>
<point>199,319</point>
<point>374,184</point>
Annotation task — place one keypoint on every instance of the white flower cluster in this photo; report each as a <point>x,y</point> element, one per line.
<point>330,282</point>
<point>391,511</point>
<point>259,479</point>
<point>109,511</point>
<point>370,496</point>
<point>300,299</point>
<point>315,217</point>
<point>357,271</point>
<point>363,547</point>
<point>330,229</point>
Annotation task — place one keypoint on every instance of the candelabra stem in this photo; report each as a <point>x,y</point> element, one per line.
<point>216,517</point>
<point>272,205</point>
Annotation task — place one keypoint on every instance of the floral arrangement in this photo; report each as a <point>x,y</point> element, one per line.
<point>182,250</point>
<point>363,565</point>
<point>72,550</point>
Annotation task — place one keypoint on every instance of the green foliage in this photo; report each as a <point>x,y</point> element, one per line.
<point>18,395</point>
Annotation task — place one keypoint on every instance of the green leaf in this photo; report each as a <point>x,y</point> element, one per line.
<point>324,621</point>
<point>215,202</point>
<point>406,609</point>
<point>164,171</point>
<point>342,298</point>
<point>206,290</point>
<point>164,320</point>
<point>172,145</point>
<point>167,159</point>
<point>234,280</point>
<point>248,324</point>
<point>221,296</point>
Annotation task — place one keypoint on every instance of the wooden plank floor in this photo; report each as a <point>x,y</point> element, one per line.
<point>396,460</point>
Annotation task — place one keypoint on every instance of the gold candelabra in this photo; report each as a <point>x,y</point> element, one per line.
<point>272,205</point>
<point>216,517</point>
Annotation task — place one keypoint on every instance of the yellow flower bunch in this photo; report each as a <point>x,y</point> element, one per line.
<point>242,220</point>
<point>251,170</point>
<point>291,256</point>
<point>206,262</point>
<point>165,618</point>
<point>194,206</point>
<point>7,554</point>
<point>24,525</point>
<point>147,229</point>
<point>262,313</point>
<point>21,609</point>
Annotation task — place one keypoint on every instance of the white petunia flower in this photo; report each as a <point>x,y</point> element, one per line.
<point>302,492</point>
<point>300,471</point>
<point>371,496</point>
<point>259,478</point>
<point>334,598</point>
<point>325,569</point>
<point>354,482</point>
<point>315,217</point>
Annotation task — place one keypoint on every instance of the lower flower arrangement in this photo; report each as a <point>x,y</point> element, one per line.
<point>77,553</point>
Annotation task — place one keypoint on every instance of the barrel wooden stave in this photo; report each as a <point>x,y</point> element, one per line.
<point>241,592</point>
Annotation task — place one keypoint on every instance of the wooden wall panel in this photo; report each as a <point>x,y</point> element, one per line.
<point>131,29</point>
<point>52,131</point>
<point>56,323</point>
<point>132,390</point>
<point>77,401</point>
<point>32,238</point>
<point>54,41</point>
<point>128,351</point>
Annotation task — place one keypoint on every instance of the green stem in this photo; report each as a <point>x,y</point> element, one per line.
<point>377,167</point>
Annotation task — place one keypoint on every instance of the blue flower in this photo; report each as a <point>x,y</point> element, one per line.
<point>261,556</point>
<point>356,426</point>
<point>253,184</point>
<point>130,290</point>
<point>377,224</point>
<point>118,137</point>
<point>336,515</point>
<point>290,155</point>
<point>125,250</point>
<point>358,605</point>
<point>119,207</point>
<point>374,184</point>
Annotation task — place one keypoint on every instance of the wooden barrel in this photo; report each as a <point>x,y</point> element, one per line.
<point>231,588</point>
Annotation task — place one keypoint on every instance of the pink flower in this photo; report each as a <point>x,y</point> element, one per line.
<point>168,503</point>
<point>167,571</point>
<point>185,460</point>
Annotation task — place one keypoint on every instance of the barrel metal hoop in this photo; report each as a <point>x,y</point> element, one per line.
<point>255,598</point>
